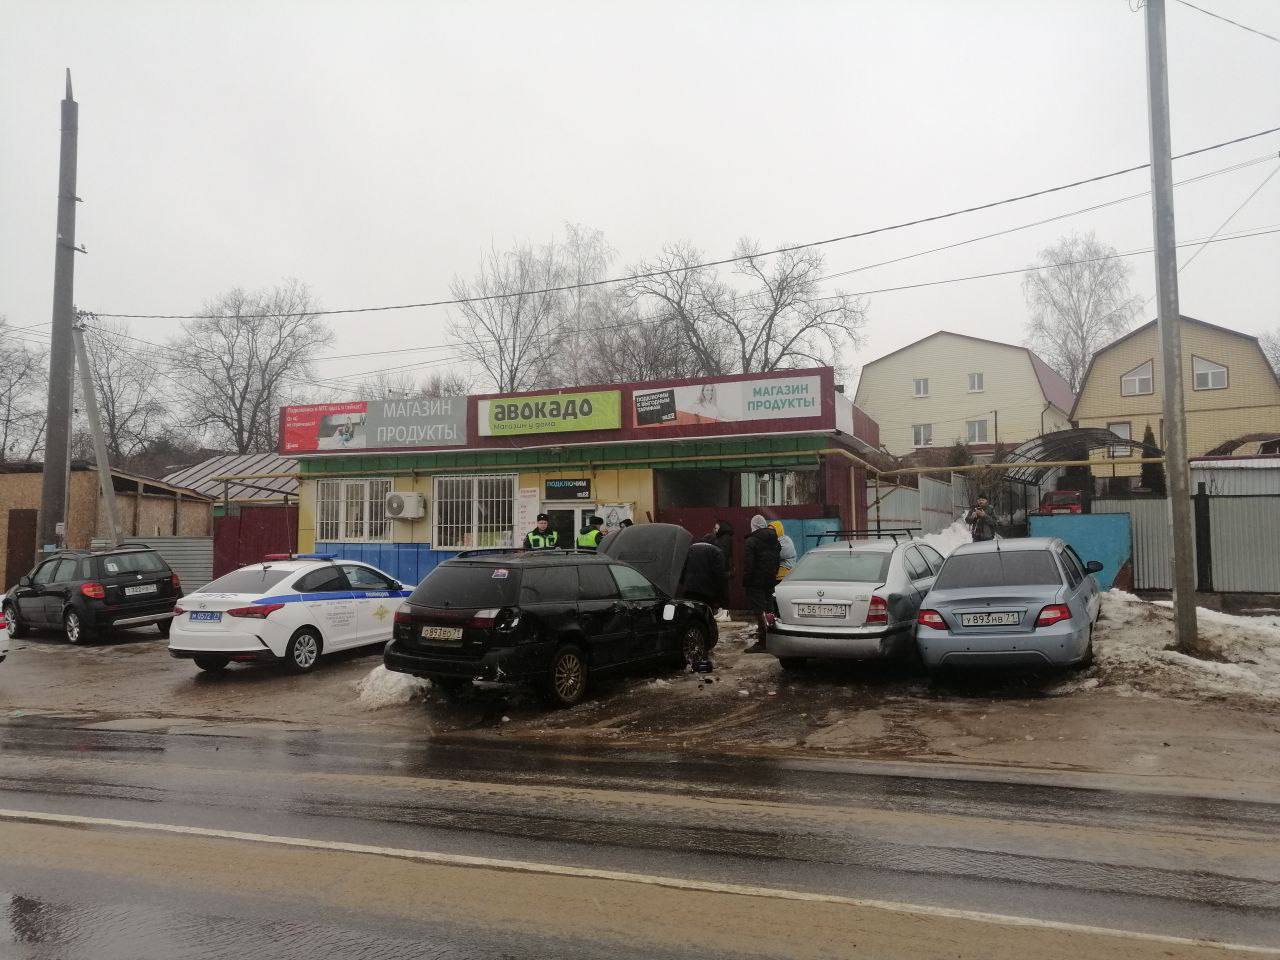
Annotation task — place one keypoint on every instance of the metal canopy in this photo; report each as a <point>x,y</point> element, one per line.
<point>1066,445</point>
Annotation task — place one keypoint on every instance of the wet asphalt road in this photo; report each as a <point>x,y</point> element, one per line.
<point>1179,865</point>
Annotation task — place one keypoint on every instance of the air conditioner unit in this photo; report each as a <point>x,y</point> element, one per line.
<point>404,506</point>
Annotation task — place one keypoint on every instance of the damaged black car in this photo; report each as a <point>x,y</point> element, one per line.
<point>554,619</point>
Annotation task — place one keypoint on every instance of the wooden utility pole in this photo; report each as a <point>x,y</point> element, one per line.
<point>1175,417</point>
<point>57,444</point>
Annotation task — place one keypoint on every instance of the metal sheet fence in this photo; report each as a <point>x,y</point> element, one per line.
<point>1152,539</point>
<point>898,507</point>
<point>1244,532</point>
<point>936,508</point>
<point>191,558</point>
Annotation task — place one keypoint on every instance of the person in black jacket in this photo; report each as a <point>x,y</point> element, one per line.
<point>721,536</point>
<point>703,578</point>
<point>760,559</point>
<point>982,521</point>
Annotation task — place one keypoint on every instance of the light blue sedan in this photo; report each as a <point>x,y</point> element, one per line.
<point>1029,602</point>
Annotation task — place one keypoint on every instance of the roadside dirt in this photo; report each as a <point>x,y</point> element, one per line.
<point>747,705</point>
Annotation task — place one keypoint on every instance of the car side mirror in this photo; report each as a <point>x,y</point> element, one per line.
<point>669,612</point>
<point>1093,566</point>
<point>24,581</point>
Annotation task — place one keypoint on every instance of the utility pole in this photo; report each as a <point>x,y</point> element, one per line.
<point>99,442</point>
<point>1175,454</point>
<point>57,443</point>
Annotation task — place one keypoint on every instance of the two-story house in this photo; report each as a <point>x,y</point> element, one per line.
<point>1229,388</point>
<point>950,386</point>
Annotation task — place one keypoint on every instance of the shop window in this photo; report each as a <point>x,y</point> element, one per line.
<point>352,510</point>
<point>778,488</point>
<point>693,488</point>
<point>474,512</point>
<point>1137,382</point>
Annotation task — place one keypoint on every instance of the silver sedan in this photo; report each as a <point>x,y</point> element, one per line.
<point>853,601</point>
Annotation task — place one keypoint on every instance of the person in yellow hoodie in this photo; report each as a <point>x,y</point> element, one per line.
<point>788,557</point>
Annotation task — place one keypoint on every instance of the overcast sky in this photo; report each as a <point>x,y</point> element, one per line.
<point>373,149</point>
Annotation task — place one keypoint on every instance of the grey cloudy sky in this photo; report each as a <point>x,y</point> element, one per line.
<point>373,149</point>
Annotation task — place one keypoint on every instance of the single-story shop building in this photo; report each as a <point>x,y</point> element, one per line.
<point>404,484</point>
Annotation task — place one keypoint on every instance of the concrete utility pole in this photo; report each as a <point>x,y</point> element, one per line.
<point>57,444</point>
<point>1175,416</point>
<point>99,441</point>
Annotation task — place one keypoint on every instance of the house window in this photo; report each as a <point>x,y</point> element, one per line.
<point>474,512</point>
<point>1208,375</point>
<point>1124,432</point>
<point>923,434</point>
<point>922,386</point>
<point>352,510</point>
<point>977,431</point>
<point>975,383</point>
<point>1137,381</point>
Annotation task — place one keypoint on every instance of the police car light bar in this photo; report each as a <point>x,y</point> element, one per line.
<point>299,556</point>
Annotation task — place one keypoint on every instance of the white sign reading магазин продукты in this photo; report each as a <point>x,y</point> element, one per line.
<point>775,398</point>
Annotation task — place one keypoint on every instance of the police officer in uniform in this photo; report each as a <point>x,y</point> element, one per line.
<point>541,537</point>
<point>589,537</point>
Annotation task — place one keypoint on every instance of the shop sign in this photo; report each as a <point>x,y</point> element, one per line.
<point>775,398</point>
<point>567,489</point>
<point>374,425</point>
<point>554,413</point>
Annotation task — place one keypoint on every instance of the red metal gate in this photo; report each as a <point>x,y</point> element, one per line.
<point>251,532</point>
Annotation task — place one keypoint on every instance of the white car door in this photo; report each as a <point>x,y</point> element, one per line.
<point>328,603</point>
<point>376,597</point>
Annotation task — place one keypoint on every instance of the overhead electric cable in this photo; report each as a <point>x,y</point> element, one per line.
<point>1234,23</point>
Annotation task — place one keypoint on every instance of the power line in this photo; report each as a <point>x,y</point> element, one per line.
<point>1234,23</point>
<point>714,263</point>
<point>1222,226</point>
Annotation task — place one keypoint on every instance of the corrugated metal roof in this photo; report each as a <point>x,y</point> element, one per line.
<point>200,476</point>
<point>1241,463</point>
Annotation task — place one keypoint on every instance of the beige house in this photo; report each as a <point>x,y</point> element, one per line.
<point>1230,389</point>
<point>950,387</point>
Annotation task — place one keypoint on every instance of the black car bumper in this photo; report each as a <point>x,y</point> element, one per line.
<point>236,656</point>
<point>132,615</point>
<point>523,662</point>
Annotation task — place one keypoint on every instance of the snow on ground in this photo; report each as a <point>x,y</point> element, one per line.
<point>381,687</point>
<point>944,541</point>
<point>1132,648</point>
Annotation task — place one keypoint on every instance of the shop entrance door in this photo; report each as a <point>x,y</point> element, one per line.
<point>567,521</point>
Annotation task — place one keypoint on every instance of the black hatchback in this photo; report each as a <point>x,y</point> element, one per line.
<point>552,618</point>
<point>85,593</point>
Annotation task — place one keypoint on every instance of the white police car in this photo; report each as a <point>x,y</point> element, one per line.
<point>289,608</point>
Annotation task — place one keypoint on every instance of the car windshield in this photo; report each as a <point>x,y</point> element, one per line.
<point>854,566</point>
<point>1062,496</point>
<point>1010,568</point>
<point>248,580</point>
<point>468,585</point>
<point>115,564</point>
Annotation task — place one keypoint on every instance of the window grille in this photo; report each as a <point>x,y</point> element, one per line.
<point>352,510</point>
<point>474,512</point>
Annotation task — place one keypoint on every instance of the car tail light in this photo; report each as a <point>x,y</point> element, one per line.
<point>258,611</point>
<point>877,611</point>
<point>177,583</point>
<point>402,616</point>
<point>931,618</point>
<point>484,619</point>
<point>1054,613</point>
<point>94,591</point>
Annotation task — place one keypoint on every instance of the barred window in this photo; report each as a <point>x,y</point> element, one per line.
<point>474,512</point>
<point>352,510</point>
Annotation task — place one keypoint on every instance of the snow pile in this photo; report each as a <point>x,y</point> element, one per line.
<point>381,687</point>
<point>944,541</point>
<point>1132,647</point>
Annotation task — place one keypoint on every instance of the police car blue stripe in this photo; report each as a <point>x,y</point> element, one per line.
<point>333,595</point>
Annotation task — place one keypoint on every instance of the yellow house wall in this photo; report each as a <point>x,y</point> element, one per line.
<point>633,486</point>
<point>1249,404</point>
<point>886,393</point>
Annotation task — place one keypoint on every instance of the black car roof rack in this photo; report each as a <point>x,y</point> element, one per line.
<point>892,533</point>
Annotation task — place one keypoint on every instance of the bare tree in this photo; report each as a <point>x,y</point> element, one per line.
<point>1271,347</point>
<point>507,331</point>
<point>130,395</point>
<point>779,321</point>
<point>250,353</point>
<point>449,383</point>
<point>22,397</point>
<point>1079,300</point>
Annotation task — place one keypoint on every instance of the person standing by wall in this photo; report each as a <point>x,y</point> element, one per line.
<point>541,537</point>
<point>589,536</point>
<point>761,558</point>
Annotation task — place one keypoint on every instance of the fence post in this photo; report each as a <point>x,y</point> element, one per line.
<point>1204,546</point>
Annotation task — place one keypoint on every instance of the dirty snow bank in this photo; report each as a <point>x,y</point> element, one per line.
<point>381,687</point>
<point>1132,644</point>
<point>944,541</point>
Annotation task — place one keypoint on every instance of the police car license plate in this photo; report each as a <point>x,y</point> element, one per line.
<point>212,616</point>
<point>821,609</point>
<point>139,589</point>
<point>441,633</point>
<point>989,619</point>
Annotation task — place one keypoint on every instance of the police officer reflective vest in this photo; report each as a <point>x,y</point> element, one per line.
<point>537,540</point>
<point>589,538</point>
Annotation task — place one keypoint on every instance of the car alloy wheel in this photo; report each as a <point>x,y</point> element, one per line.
<point>568,679</point>
<point>16,627</point>
<point>303,652</point>
<point>73,627</point>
